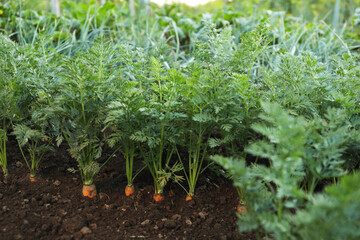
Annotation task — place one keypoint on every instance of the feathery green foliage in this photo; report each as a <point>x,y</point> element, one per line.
<point>86,88</point>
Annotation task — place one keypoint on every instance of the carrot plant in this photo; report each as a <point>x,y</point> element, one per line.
<point>86,90</point>
<point>212,101</point>
<point>30,87</point>
<point>207,105</point>
<point>36,143</point>
<point>160,127</point>
<point>124,119</point>
<point>8,109</point>
<point>300,153</point>
<point>327,140</point>
<point>273,188</point>
<point>37,124</point>
<point>334,207</point>
<point>332,214</point>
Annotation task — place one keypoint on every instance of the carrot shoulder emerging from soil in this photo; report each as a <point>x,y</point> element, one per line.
<point>32,179</point>
<point>188,198</point>
<point>89,190</point>
<point>129,191</point>
<point>158,197</point>
<point>241,208</point>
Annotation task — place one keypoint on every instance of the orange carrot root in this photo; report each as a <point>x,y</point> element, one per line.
<point>89,190</point>
<point>188,198</point>
<point>129,190</point>
<point>158,197</point>
<point>32,179</point>
<point>241,209</point>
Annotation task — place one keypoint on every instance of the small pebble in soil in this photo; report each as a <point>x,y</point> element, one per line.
<point>54,199</point>
<point>18,164</point>
<point>103,196</point>
<point>146,222</point>
<point>188,221</point>
<point>66,201</point>
<point>63,212</point>
<point>176,217</point>
<point>127,223</point>
<point>93,226</point>
<point>57,183</point>
<point>109,206</point>
<point>202,215</point>
<point>85,231</point>
<point>5,209</point>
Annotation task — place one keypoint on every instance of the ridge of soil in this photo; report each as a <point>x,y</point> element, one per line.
<point>53,207</point>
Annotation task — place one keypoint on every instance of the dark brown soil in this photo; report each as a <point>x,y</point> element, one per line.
<point>53,207</point>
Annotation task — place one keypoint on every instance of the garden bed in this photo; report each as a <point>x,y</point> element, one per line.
<point>54,208</point>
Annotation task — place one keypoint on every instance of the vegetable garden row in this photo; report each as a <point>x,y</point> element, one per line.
<point>279,111</point>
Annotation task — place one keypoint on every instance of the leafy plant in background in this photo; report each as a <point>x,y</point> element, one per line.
<point>345,87</point>
<point>246,64</point>
<point>343,94</point>
<point>306,82</point>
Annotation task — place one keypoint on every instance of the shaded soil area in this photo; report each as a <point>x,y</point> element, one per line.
<point>53,207</point>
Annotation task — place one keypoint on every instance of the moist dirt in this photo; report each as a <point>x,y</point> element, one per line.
<point>53,207</point>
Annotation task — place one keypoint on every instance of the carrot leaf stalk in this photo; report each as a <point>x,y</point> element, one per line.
<point>3,158</point>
